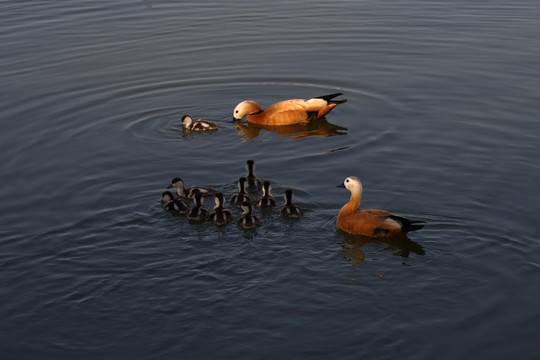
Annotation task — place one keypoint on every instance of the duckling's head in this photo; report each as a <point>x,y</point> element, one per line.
<point>242,184</point>
<point>288,195</point>
<point>176,182</point>
<point>353,184</point>
<point>246,108</point>
<point>266,188</point>
<point>167,196</point>
<point>246,208</point>
<point>187,120</point>
<point>198,198</point>
<point>219,200</point>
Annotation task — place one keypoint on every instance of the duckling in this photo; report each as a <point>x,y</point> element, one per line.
<point>266,200</point>
<point>289,209</point>
<point>166,198</point>
<point>288,112</point>
<point>241,196</point>
<point>248,221</point>
<point>172,205</point>
<point>220,215</point>
<point>253,183</point>
<point>198,212</point>
<point>188,193</point>
<point>198,125</point>
<point>373,222</point>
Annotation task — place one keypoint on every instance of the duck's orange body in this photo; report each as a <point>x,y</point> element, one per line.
<point>372,222</point>
<point>288,112</point>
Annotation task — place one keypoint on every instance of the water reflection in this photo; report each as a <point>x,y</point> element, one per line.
<point>319,127</point>
<point>188,134</point>
<point>352,244</point>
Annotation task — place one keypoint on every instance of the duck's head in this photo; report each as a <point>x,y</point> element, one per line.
<point>176,182</point>
<point>250,165</point>
<point>242,184</point>
<point>198,198</point>
<point>246,107</point>
<point>219,200</point>
<point>187,120</point>
<point>266,188</point>
<point>246,207</point>
<point>288,196</point>
<point>167,196</point>
<point>352,183</point>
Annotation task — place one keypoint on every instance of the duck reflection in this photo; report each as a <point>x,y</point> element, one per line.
<point>320,127</point>
<point>401,246</point>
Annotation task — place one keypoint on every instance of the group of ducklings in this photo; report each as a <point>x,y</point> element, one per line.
<point>220,214</point>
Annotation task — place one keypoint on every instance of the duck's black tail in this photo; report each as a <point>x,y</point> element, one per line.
<point>408,225</point>
<point>330,97</point>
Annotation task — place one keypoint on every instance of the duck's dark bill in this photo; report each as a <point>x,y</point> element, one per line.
<point>342,185</point>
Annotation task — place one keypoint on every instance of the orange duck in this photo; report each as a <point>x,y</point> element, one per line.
<point>373,222</point>
<point>295,111</point>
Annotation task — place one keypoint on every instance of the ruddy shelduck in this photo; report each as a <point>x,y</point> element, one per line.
<point>373,222</point>
<point>288,112</point>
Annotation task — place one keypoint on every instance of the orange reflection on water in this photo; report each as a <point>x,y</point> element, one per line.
<point>319,127</point>
<point>353,253</point>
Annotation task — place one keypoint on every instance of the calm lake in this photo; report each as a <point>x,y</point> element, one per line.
<point>441,125</point>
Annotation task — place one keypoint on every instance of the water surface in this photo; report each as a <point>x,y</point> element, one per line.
<point>441,124</point>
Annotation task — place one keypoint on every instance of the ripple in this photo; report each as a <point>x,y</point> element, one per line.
<point>162,123</point>
<point>440,124</point>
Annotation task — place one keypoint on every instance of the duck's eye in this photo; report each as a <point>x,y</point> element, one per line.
<point>347,180</point>
<point>237,111</point>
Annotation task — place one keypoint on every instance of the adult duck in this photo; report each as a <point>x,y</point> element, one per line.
<point>373,222</point>
<point>288,112</point>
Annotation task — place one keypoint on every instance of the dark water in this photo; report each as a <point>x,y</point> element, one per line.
<point>441,124</point>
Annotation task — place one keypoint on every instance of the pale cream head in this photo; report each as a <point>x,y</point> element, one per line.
<point>353,184</point>
<point>245,108</point>
<point>187,120</point>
